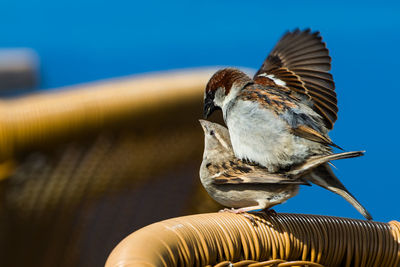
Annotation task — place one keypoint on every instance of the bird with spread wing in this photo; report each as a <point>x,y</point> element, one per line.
<point>281,117</point>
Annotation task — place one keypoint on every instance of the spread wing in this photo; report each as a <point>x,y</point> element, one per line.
<point>243,173</point>
<point>287,106</point>
<point>301,60</point>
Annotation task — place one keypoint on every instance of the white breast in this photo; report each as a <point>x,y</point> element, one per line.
<point>259,135</point>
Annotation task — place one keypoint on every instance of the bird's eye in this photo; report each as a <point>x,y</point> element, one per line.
<point>212,132</point>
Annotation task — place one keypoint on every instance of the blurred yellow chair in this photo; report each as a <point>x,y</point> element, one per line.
<point>82,167</point>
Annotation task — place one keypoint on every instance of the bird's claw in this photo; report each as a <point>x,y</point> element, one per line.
<point>251,218</point>
<point>239,211</point>
<point>232,210</point>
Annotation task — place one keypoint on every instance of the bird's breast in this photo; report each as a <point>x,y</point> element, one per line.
<point>246,195</point>
<point>259,135</point>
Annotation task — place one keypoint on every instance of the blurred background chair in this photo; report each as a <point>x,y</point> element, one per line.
<point>84,166</point>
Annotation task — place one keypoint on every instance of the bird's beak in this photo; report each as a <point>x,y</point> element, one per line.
<point>209,107</point>
<point>203,124</point>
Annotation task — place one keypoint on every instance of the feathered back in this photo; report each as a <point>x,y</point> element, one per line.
<point>302,61</point>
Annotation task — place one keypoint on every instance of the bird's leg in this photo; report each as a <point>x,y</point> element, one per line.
<point>244,211</point>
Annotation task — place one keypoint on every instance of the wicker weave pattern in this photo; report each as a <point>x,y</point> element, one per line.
<point>213,239</point>
<point>270,263</point>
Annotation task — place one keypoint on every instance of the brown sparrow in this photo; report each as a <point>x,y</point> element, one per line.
<point>250,187</point>
<point>281,117</point>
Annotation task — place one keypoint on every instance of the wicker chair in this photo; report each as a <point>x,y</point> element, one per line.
<point>225,239</point>
<point>81,168</point>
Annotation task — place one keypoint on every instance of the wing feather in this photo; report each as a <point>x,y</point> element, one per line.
<point>313,135</point>
<point>243,173</point>
<point>302,61</point>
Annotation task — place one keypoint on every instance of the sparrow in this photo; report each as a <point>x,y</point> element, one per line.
<point>246,186</point>
<point>281,116</point>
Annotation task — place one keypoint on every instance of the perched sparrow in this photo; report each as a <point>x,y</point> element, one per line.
<point>281,117</point>
<point>249,187</point>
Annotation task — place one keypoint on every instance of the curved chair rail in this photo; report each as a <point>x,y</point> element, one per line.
<point>223,239</point>
<point>33,120</point>
<point>77,163</point>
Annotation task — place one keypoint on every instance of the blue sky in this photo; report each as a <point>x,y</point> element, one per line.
<point>81,41</point>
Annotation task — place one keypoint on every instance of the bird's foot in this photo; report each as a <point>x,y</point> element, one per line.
<point>232,210</point>
<point>251,218</point>
<point>242,211</point>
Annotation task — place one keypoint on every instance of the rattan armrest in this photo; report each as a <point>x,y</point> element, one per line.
<point>289,239</point>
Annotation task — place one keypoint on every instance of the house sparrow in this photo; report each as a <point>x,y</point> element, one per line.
<point>249,187</point>
<point>281,117</point>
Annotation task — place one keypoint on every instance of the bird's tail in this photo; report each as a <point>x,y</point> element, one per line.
<point>316,161</point>
<point>324,177</point>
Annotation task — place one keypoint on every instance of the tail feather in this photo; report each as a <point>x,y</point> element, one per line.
<point>314,162</point>
<point>324,177</point>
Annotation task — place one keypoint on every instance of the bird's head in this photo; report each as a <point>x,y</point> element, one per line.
<point>216,139</point>
<point>222,87</point>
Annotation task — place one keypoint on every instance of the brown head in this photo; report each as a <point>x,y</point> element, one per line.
<point>220,85</point>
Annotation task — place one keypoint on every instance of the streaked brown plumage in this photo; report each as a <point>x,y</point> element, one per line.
<point>302,61</point>
<point>248,186</point>
<point>282,116</point>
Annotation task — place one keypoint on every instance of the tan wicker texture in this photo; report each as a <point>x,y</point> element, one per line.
<point>221,239</point>
<point>85,166</point>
